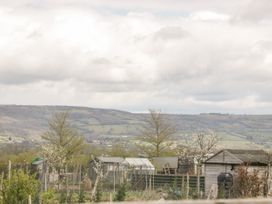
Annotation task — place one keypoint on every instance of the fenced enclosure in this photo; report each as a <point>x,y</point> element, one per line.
<point>155,181</point>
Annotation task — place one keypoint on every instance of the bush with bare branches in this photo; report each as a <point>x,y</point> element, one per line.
<point>248,184</point>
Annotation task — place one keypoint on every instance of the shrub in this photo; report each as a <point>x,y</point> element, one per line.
<point>48,197</point>
<point>19,187</point>
<point>248,184</point>
<point>81,196</point>
<point>62,198</point>
<point>121,193</point>
<point>173,192</point>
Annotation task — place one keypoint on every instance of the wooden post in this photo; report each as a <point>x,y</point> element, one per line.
<point>114,178</point>
<point>74,177</point>
<point>269,176</point>
<point>150,182</point>
<point>188,186</point>
<point>45,180</point>
<point>198,180</point>
<point>153,180</point>
<point>29,199</point>
<point>182,186</point>
<point>66,178</point>
<point>79,185</point>
<point>2,180</point>
<point>9,170</point>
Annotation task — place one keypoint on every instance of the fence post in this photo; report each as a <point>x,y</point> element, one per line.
<point>2,180</point>
<point>9,170</point>
<point>182,186</point>
<point>198,180</point>
<point>188,186</point>
<point>29,199</point>
<point>79,185</point>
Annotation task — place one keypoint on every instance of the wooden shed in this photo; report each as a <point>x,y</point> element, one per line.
<point>113,167</point>
<point>228,160</point>
<point>174,165</point>
<point>165,165</point>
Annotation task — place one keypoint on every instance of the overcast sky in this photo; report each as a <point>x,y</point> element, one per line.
<point>180,56</point>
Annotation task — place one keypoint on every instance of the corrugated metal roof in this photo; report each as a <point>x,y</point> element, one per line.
<point>140,163</point>
<point>111,159</point>
<point>163,162</point>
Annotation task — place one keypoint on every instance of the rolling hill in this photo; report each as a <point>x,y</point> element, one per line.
<point>27,123</point>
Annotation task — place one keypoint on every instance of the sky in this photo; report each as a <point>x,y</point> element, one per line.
<point>177,56</point>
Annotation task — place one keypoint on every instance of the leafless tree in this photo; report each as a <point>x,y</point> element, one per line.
<point>204,144</point>
<point>100,175</point>
<point>199,146</point>
<point>157,134</point>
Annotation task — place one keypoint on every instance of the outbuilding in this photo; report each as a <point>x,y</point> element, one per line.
<point>141,165</point>
<point>113,167</point>
<point>228,160</point>
<point>165,165</point>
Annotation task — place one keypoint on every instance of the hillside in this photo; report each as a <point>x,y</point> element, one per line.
<point>27,123</point>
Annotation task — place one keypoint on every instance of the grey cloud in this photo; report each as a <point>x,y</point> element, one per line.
<point>254,11</point>
<point>170,33</point>
<point>101,61</point>
<point>137,61</point>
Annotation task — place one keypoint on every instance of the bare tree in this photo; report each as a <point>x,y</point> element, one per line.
<point>199,146</point>
<point>204,144</point>
<point>157,134</point>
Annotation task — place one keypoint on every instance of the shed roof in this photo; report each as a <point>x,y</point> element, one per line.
<point>140,163</point>
<point>239,156</point>
<point>111,159</point>
<point>37,161</point>
<point>162,162</point>
<point>251,156</point>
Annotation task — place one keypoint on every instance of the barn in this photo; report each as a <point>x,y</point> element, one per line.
<point>228,160</point>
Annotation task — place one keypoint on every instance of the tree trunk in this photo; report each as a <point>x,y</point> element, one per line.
<point>95,187</point>
<point>188,186</point>
<point>157,150</point>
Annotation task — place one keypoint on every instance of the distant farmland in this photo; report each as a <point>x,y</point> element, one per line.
<point>27,123</point>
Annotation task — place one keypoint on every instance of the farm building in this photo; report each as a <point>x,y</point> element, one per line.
<point>228,160</point>
<point>174,165</point>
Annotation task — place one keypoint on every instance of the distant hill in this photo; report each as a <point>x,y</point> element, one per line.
<point>27,123</point>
